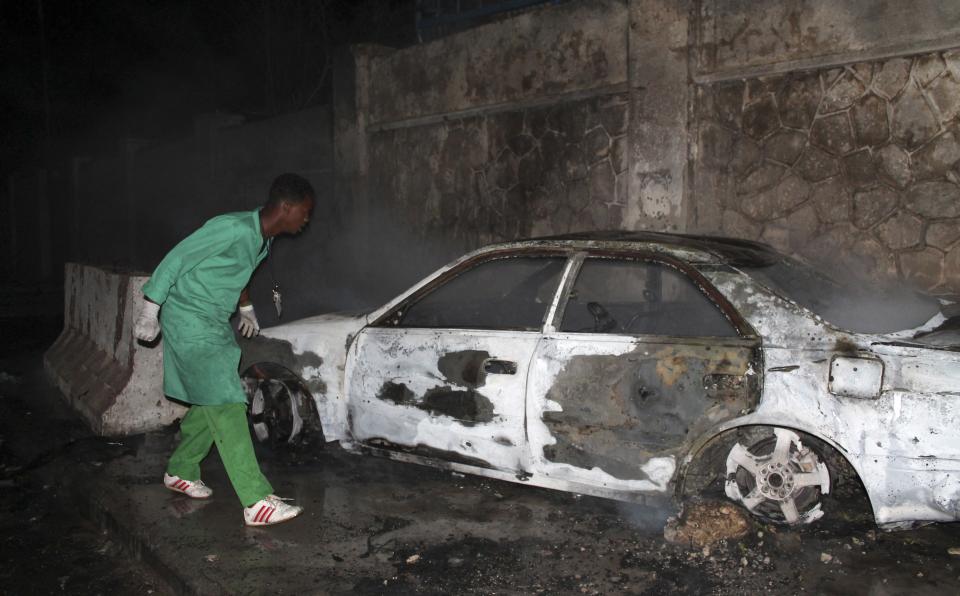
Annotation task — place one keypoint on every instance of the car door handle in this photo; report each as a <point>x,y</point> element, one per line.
<point>492,366</point>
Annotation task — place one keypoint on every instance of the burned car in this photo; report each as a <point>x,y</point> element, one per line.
<point>631,364</point>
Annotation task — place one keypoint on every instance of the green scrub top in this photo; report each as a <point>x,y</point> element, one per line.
<point>199,284</point>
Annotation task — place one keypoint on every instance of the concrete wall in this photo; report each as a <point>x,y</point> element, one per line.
<point>111,380</point>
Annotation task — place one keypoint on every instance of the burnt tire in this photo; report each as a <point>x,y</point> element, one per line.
<point>282,415</point>
<point>778,476</point>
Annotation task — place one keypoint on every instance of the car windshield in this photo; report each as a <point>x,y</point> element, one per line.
<point>861,306</point>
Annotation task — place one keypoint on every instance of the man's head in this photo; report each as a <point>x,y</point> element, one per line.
<point>289,203</point>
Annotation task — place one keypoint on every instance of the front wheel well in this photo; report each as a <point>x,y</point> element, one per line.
<point>280,407</point>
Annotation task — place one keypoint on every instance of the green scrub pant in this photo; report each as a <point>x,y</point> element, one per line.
<point>227,425</point>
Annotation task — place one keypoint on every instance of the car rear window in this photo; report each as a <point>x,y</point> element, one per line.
<point>862,306</point>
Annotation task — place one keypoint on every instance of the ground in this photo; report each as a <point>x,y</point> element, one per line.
<point>88,515</point>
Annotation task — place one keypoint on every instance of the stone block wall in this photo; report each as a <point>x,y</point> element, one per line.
<point>529,172</point>
<point>857,167</point>
<point>828,128</point>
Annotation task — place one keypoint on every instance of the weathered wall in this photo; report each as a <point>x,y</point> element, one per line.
<point>829,129</point>
<point>856,164</point>
<point>539,53</point>
<point>737,37</point>
<point>114,382</point>
<point>484,178</point>
<point>826,127</point>
<point>513,129</point>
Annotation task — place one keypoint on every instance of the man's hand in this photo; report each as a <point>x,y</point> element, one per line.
<point>147,327</point>
<point>248,321</point>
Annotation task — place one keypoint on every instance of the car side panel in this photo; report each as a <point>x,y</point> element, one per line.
<point>904,443</point>
<point>618,411</point>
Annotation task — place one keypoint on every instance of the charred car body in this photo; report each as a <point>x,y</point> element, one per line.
<point>625,365</point>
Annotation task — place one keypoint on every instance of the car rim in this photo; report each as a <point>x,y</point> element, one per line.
<point>778,478</point>
<point>274,414</point>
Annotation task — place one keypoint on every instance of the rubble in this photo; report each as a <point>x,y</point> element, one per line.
<point>706,522</point>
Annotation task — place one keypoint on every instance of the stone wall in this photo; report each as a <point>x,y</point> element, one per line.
<point>856,166</point>
<point>531,172</point>
<point>737,37</point>
<point>517,128</point>
<point>827,128</point>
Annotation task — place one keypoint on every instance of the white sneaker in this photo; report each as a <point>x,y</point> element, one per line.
<point>268,511</point>
<point>192,488</point>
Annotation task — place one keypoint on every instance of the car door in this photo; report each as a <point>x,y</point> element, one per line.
<point>444,373</point>
<point>640,359</point>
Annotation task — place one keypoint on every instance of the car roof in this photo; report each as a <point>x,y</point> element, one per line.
<point>716,249</point>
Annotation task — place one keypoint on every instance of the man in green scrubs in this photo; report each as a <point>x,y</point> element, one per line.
<point>199,285</point>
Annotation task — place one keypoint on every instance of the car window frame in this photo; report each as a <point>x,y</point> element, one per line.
<point>740,325</point>
<point>392,316</point>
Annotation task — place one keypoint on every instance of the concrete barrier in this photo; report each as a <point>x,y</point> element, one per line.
<point>113,381</point>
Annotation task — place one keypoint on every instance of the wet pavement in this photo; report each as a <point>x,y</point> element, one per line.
<point>374,526</point>
<point>48,543</point>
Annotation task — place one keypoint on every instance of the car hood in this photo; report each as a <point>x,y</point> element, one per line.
<point>315,322</point>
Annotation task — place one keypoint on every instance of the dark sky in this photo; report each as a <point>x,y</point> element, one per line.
<point>143,68</point>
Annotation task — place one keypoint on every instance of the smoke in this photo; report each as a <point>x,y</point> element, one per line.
<point>849,298</point>
<point>649,517</point>
<point>342,263</point>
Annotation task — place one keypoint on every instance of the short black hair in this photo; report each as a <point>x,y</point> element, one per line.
<point>292,188</point>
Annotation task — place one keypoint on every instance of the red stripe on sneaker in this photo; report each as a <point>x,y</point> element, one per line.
<point>269,514</point>
<point>260,513</point>
<point>183,485</point>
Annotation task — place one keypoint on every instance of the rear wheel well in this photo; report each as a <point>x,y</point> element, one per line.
<point>704,474</point>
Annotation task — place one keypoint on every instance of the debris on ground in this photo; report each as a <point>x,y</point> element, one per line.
<point>705,523</point>
<point>412,559</point>
<point>8,378</point>
<point>954,550</point>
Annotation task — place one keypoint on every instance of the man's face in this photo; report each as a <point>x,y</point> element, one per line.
<point>296,215</point>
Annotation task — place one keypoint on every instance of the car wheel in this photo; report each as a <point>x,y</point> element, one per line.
<point>280,413</point>
<point>777,478</point>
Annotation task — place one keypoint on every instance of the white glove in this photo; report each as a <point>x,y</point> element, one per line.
<point>248,321</point>
<point>147,327</point>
